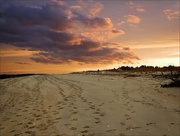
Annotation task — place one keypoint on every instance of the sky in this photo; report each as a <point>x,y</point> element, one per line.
<point>62,36</point>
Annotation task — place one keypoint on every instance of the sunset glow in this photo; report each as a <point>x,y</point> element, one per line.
<point>53,36</point>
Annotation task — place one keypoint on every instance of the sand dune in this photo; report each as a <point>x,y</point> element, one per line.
<point>93,105</point>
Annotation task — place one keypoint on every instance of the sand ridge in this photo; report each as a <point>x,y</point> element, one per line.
<point>93,105</point>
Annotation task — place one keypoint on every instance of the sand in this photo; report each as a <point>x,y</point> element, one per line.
<point>86,104</point>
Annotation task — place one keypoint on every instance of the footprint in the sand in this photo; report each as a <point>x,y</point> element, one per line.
<point>12,131</point>
<point>58,118</point>
<point>59,102</point>
<point>122,123</point>
<point>101,104</point>
<point>75,112</point>
<point>73,128</point>
<point>69,106</point>
<point>50,106</point>
<point>55,113</point>
<point>132,127</point>
<point>152,123</point>
<point>31,127</point>
<point>66,99</point>
<point>18,115</point>
<point>74,119</point>
<point>126,115</point>
<point>102,114</point>
<point>173,123</point>
<point>97,112</point>
<point>6,119</point>
<point>17,134</point>
<point>111,130</point>
<point>97,118</point>
<point>111,101</point>
<point>86,126</point>
<point>97,122</point>
<point>91,134</point>
<point>2,128</point>
<point>38,118</point>
<point>37,115</point>
<point>75,107</point>
<point>30,132</point>
<point>60,108</point>
<point>85,131</point>
<point>29,123</point>
<point>13,120</point>
<point>121,134</point>
<point>64,104</point>
<point>44,111</point>
<point>128,118</point>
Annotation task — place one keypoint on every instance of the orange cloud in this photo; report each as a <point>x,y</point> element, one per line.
<point>76,7</point>
<point>96,9</point>
<point>140,9</point>
<point>170,14</point>
<point>120,23</point>
<point>118,31</point>
<point>132,19</point>
<point>12,51</point>
<point>131,3</point>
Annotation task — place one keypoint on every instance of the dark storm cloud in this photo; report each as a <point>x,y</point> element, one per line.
<point>52,14</point>
<point>46,29</point>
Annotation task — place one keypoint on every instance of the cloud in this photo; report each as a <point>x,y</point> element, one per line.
<point>96,9</point>
<point>131,3</point>
<point>140,9</point>
<point>94,23</point>
<point>137,7</point>
<point>171,15</point>
<point>177,4</point>
<point>132,19</point>
<point>118,31</point>
<point>81,2</point>
<point>48,32</point>
<point>120,23</point>
<point>126,48</point>
<point>76,7</point>
<point>103,55</point>
<point>52,14</point>
<point>23,63</point>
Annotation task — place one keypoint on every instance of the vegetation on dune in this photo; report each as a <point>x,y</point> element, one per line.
<point>167,72</point>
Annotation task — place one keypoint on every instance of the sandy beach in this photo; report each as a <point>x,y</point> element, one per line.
<point>87,104</point>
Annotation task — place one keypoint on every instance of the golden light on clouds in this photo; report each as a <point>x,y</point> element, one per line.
<point>64,36</point>
<point>132,19</point>
<point>171,14</point>
<point>140,9</point>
